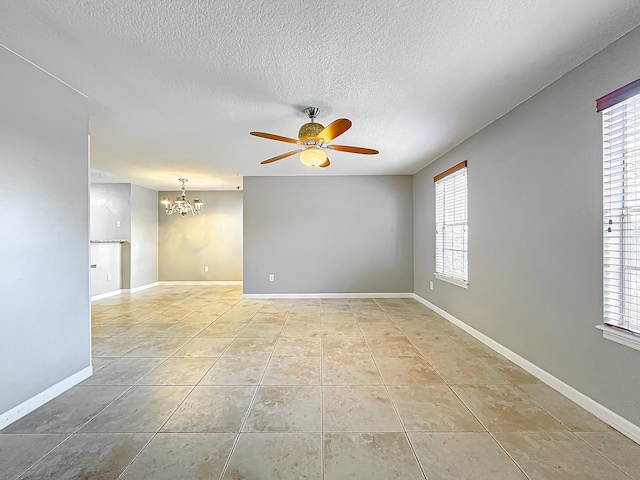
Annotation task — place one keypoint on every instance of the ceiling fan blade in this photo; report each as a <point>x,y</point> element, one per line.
<point>325,164</point>
<point>271,136</point>
<point>345,148</point>
<point>334,129</point>
<point>280,157</point>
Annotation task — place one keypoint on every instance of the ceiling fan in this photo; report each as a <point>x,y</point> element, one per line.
<point>313,139</point>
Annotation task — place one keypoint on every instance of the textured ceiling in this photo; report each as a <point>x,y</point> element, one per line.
<point>175,87</point>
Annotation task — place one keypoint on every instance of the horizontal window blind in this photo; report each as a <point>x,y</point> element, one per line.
<point>621,181</point>
<point>451,223</point>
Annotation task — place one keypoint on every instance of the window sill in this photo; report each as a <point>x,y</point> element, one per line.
<point>619,336</point>
<point>454,281</point>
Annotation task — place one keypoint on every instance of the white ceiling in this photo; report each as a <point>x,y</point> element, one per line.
<point>175,87</point>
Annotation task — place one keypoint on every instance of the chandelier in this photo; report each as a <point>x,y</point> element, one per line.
<point>182,206</point>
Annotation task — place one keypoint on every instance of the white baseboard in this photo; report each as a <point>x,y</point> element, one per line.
<point>200,282</point>
<point>621,424</point>
<point>273,296</point>
<point>40,399</point>
<point>141,288</point>
<point>107,295</point>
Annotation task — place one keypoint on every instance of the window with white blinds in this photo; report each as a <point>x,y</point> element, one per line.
<point>621,176</point>
<point>451,225</point>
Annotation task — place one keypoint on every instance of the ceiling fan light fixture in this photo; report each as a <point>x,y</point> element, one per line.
<point>313,157</point>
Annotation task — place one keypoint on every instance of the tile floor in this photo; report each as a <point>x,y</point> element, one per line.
<point>195,383</point>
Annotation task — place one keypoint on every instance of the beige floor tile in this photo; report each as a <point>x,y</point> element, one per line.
<point>341,330</point>
<point>179,371</point>
<point>350,370</point>
<point>276,456</point>
<point>67,412</point>
<point>286,409</point>
<point>463,456</point>
<point>409,370</point>
<point>359,409</point>
<point>574,417</point>
<point>617,448</point>
<point>509,370</point>
<point>250,346</point>
<point>204,347</point>
<point>123,371</point>
<point>182,329</point>
<point>293,371</point>
<point>432,409</point>
<point>19,452</point>
<point>503,408</point>
<point>298,347</point>
<point>381,329</point>
<point>267,331</point>
<point>438,344</point>
<point>369,456</point>
<point>141,409</point>
<point>171,456</point>
<point>343,345</point>
<point>211,409</point>
<point>115,346</point>
<point>98,362</point>
<point>460,367</point>
<point>236,370</point>
<point>268,382</point>
<point>343,318</point>
<point>222,330</point>
<point>89,456</point>
<point>391,346</point>
<point>557,456</point>
<point>303,330</point>
<point>161,347</point>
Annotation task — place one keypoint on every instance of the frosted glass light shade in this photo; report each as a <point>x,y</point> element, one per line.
<point>313,157</point>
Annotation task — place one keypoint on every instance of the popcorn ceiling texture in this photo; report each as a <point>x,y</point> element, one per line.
<point>175,87</point>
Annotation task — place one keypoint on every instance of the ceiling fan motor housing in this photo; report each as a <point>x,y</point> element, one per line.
<point>310,131</point>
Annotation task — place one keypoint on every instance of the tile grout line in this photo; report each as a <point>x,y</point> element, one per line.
<point>253,398</point>
<point>177,407</point>
<point>395,409</point>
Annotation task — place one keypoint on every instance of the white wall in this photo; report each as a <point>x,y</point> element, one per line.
<point>110,206</point>
<point>44,245</point>
<point>213,239</point>
<point>535,233</point>
<point>342,234</point>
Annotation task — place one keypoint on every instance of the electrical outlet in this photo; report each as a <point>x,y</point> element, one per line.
<point>271,277</point>
<point>206,269</point>
<point>108,277</point>
<point>118,223</point>
<point>431,285</point>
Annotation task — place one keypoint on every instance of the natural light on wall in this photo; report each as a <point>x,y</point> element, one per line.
<point>621,181</point>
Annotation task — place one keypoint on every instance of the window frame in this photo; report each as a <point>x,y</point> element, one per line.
<point>617,207</point>
<point>441,273</point>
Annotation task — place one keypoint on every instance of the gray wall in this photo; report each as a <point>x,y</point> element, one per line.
<point>110,204</point>
<point>44,248</point>
<point>535,233</point>
<point>144,236</point>
<point>107,275</point>
<point>214,239</point>
<point>328,234</point>
<point>137,211</point>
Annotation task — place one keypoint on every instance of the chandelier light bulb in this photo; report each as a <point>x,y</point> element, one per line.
<point>182,206</point>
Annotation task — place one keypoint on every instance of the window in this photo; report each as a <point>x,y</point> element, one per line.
<point>451,225</point>
<point>621,207</point>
